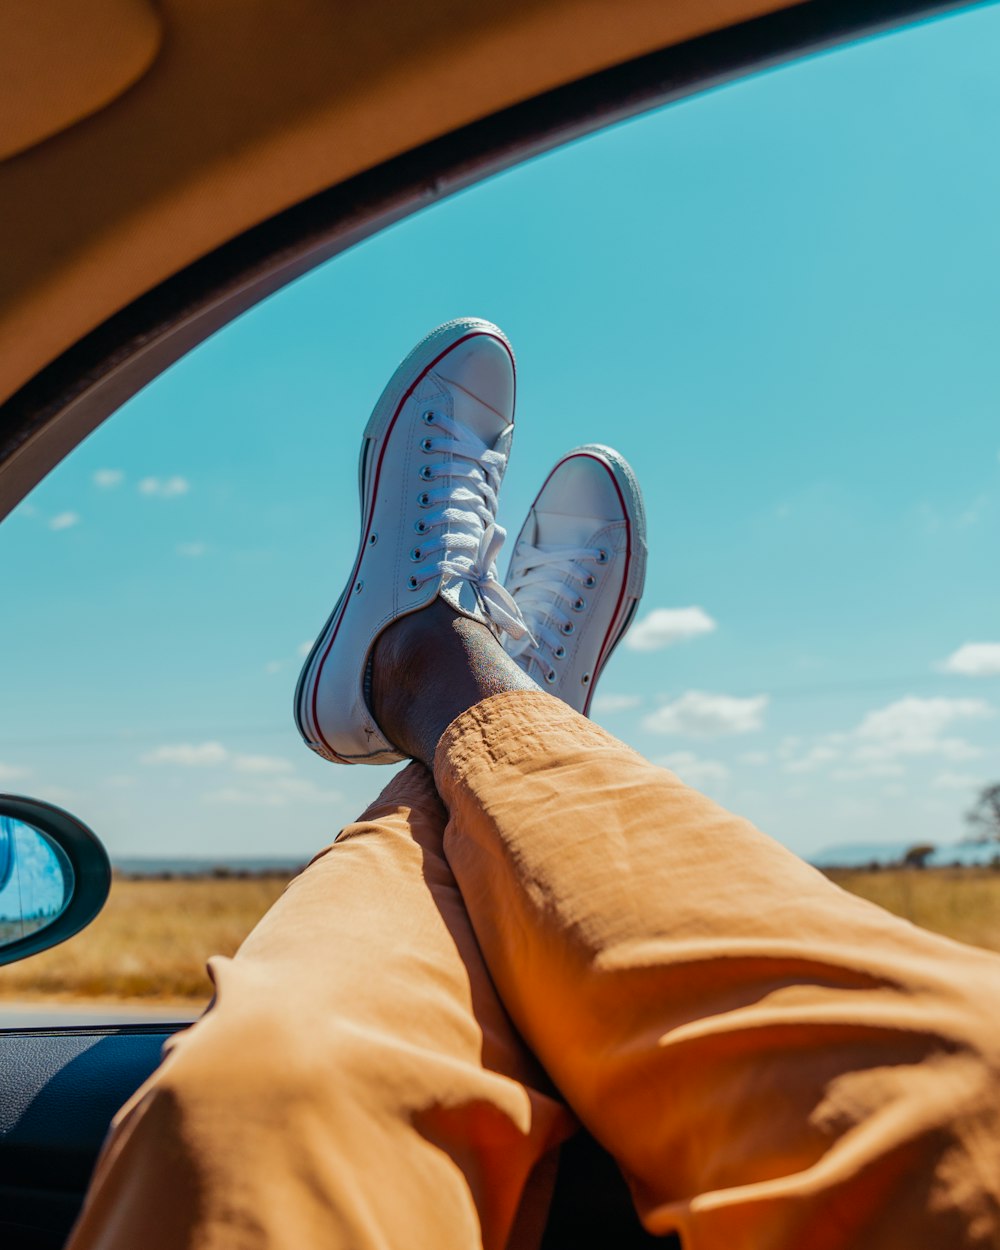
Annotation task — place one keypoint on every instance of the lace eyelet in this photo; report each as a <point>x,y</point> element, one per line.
<point>567,628</point>
<point>358,587</point>
<point>425,474</point>
<point>590,581</point>
<point>424,500</point>
<point>585,679</point>
<point>426,445</point>
<point>421,527</point>
<point>579,604</point>
<point>412,583</point>
<point>560,653</point>
<point>372,539</point>
<point>416,555</point>
<point>550,676</point>
<point>602,556</point>
<point>427,418</point>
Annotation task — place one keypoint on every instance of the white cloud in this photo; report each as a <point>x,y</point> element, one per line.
<point>956,781</point>
<point>164,487</point>
<point>262,764</point>
<point>191,551</point>
<point>788,747</point>
<point>756,759</point>
<point>120,781</point>
<point>277,792</point>
<point>813,759</point>
<point>695,771</point>
<point>615,702</point>
<point>62,796</point>
<point>274,666</point>
<point>304,648</point>
<point>64,521</point>
<point>107,479</point>
<point>700,715</point>
<point>665,626</point>
<point>188,754</point>
<point>868,768</point>
<point>974,513</point>
<point>975,659</point>
<point>13,772</point>
<point>914,726</point>
<point>214,754</point>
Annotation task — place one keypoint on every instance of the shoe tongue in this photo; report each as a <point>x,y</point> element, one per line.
<point>466,599</point>
<point>556,529</point>
<point>479,417</point>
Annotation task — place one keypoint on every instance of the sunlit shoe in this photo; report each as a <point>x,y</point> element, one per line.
<point>432,460</point>
<point>577,572</point>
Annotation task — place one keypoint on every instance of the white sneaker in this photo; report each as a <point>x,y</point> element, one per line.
<point>577,572</point>
<point>432,460</point>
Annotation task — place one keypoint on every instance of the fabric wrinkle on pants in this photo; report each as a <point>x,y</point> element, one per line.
<point>775,1064</point>
<point>356,1082</point>
<point>772,1062</point>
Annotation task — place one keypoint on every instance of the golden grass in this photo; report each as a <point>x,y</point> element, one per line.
<point>962,903</point>
<point>152,939</point>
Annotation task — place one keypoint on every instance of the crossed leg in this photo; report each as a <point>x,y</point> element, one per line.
<point>774,1064</point>
<point>356,1083</point>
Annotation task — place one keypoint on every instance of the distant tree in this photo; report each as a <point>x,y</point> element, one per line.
<point>918,855</point>
<point>983,818</point>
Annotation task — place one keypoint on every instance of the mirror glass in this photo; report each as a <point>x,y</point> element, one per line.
<point>36,880</point>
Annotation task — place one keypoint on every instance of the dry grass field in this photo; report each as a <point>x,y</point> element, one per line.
<point>962,903</point>
<point>151,941</point>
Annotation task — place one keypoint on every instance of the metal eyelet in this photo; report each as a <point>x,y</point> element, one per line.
<point>585,679</point>
<point>421,527</point>
<point>427,418</point>
<point>567,628</point>
<point>590,581</point>
<point>602,557</point>
<point>560,653</point>
<point>416,555</point>
<point>372,539</point>
<point>424,500</point>
<point>550,676</point>
<point>358,587</point>
<point>426,473</point>
<point>412,583</point>
<point>579,604</point>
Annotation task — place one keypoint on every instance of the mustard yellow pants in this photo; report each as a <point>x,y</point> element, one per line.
<point>551,922</point>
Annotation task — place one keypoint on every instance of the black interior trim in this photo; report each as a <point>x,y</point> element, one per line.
<point>154,1029</point>
<point>91,873</point>
<point>67,399</point>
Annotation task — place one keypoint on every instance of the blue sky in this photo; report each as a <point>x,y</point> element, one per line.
<point>779,300</point>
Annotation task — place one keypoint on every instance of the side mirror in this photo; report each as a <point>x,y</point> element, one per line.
<point>54,876</point>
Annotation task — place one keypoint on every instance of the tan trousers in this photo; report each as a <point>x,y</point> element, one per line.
<point>772,1062</point>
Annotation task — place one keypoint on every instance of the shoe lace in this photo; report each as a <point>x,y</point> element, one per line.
<point>549,585</point>
<point>459,524</point>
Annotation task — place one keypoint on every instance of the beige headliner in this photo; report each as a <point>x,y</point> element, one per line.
<point>149,134</point>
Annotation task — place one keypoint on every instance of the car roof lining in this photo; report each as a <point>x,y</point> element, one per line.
<point>72,395</point>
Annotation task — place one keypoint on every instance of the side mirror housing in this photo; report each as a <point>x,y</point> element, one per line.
<point>54,876</point>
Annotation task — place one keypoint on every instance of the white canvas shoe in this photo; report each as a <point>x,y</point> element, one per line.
<point>433,456</point>
<point>577,572</point>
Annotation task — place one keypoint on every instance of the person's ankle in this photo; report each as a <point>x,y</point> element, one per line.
<point>429,667</point>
